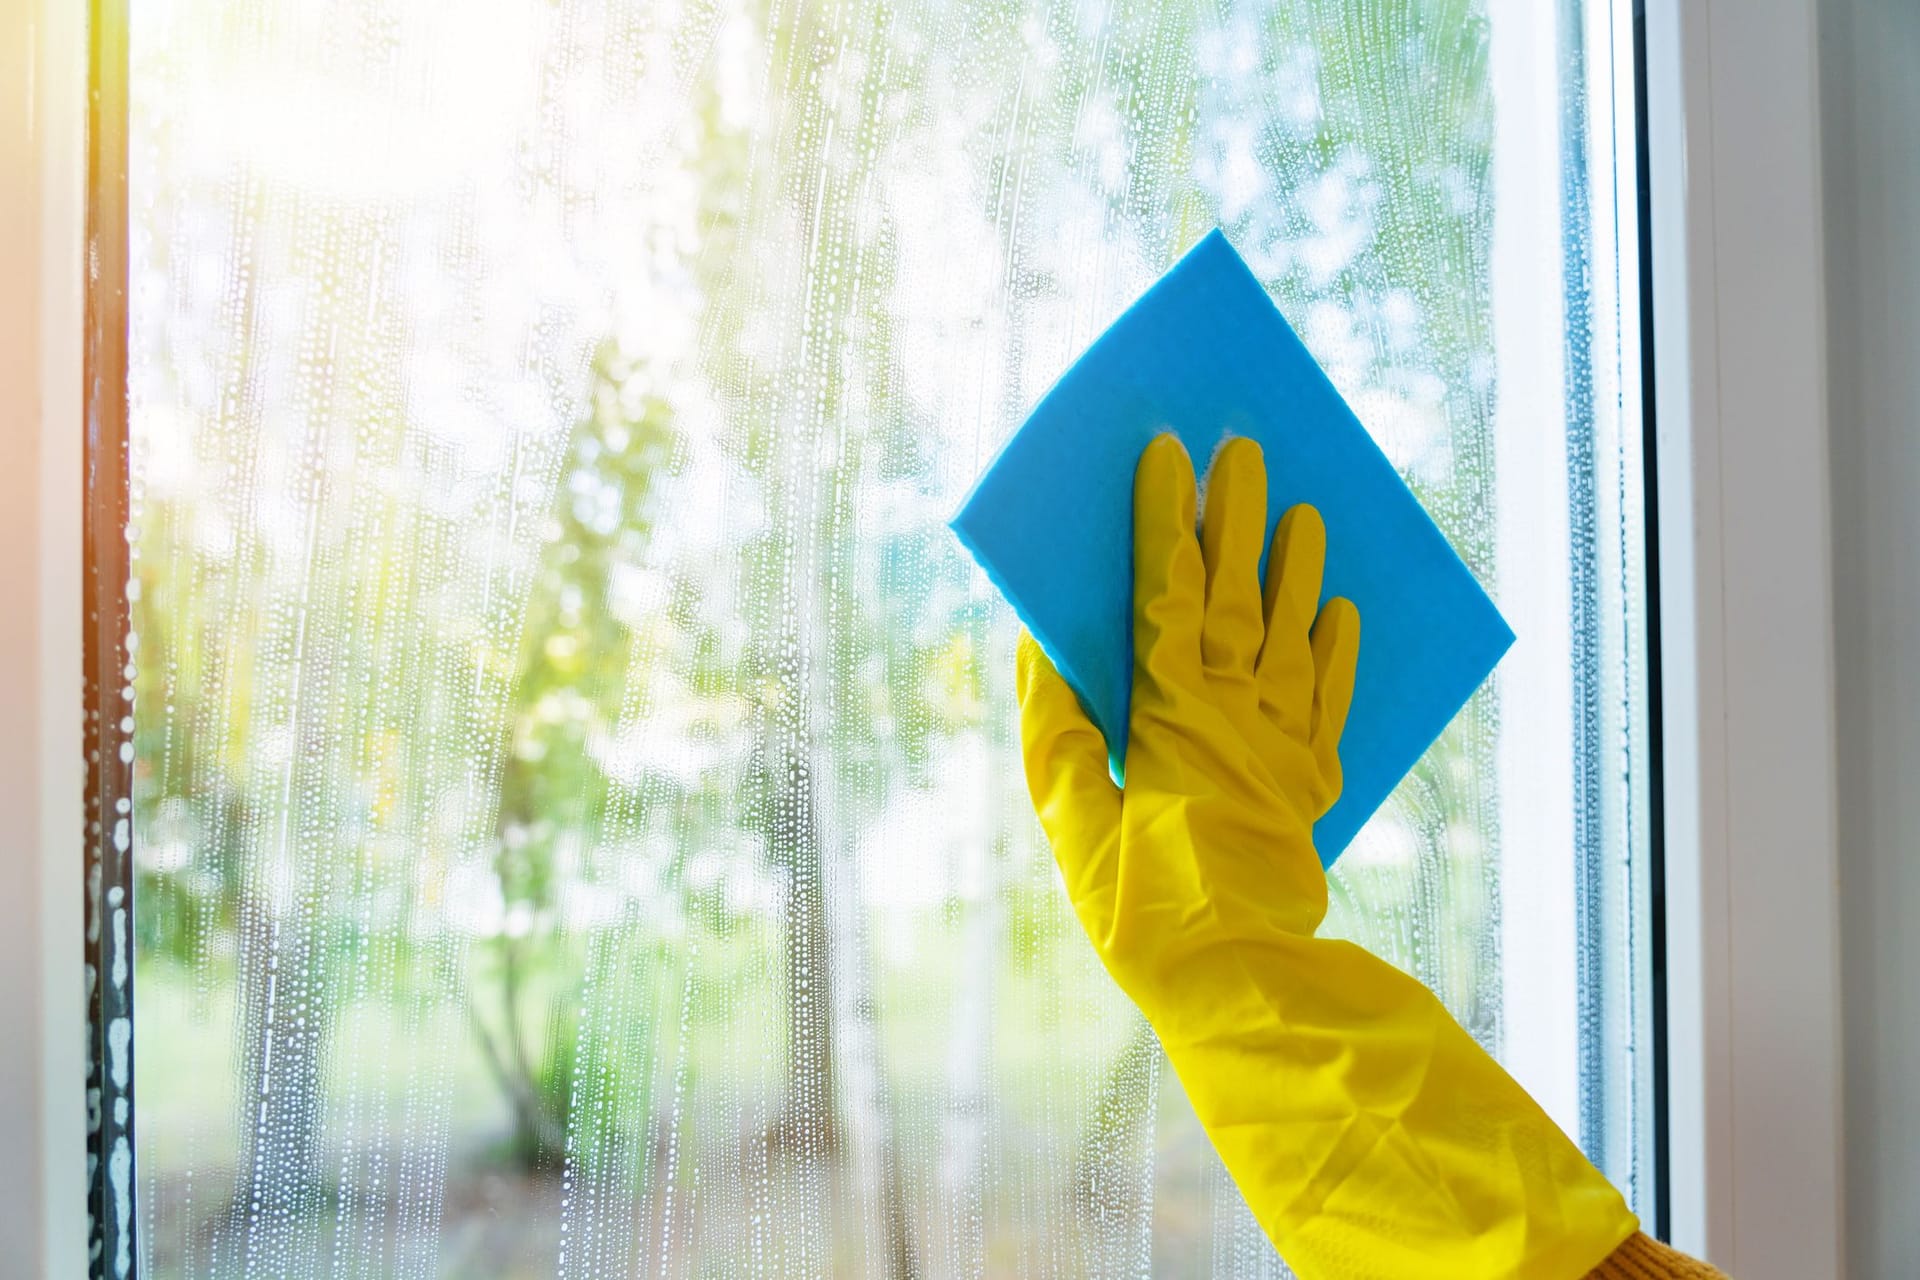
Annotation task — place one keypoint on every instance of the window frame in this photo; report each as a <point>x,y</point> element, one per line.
<point>43,335</point>
<point>1745,585</point>
<point>1746,646</point>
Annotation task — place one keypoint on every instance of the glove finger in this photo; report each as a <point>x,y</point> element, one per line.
<point>1169,580</point>
<point>1292,594</point>
<point>1065,759</point>
<point>1336,654</point>
<point>1233,532</point>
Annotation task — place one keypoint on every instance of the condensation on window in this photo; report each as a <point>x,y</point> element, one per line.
<point>579,824</point>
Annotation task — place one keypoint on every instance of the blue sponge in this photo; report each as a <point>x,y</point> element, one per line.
<point>1205,353</point>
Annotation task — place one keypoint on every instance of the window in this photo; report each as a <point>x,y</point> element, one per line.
<point>576,827</point>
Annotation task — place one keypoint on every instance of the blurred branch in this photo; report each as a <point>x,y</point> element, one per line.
<point>538,1131</point>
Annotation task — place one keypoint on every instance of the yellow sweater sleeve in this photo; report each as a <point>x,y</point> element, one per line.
<point>1641,1257</point>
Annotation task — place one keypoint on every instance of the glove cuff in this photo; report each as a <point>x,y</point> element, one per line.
<point>1641,1257</point>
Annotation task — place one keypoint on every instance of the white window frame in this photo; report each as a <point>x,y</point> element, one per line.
<point>1746,642</point>
<point>43,155</point>
<point>1747,648</point>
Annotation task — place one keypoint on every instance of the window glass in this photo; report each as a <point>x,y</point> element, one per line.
<point>578,822</point>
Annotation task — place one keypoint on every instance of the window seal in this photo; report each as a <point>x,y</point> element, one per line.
<point>106,654</point>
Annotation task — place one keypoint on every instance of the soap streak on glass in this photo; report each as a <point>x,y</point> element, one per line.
<point>579,826</point>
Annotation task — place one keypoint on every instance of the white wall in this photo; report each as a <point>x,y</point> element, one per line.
<point>1870,89</point>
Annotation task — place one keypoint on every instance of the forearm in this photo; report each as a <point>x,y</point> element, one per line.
<point>1372,1137</point>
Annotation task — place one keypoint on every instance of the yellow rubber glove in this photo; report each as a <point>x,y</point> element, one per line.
<point>1368,1132</point>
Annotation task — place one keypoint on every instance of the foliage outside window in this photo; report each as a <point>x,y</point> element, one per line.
<point>578,823</point>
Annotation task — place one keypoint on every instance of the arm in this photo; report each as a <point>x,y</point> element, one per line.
<point>1368,1132</point>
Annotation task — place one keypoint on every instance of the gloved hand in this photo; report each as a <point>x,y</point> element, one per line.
<point>1368,1132</point>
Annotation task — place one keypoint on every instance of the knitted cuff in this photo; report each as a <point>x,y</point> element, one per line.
<point>1641,1257</point>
